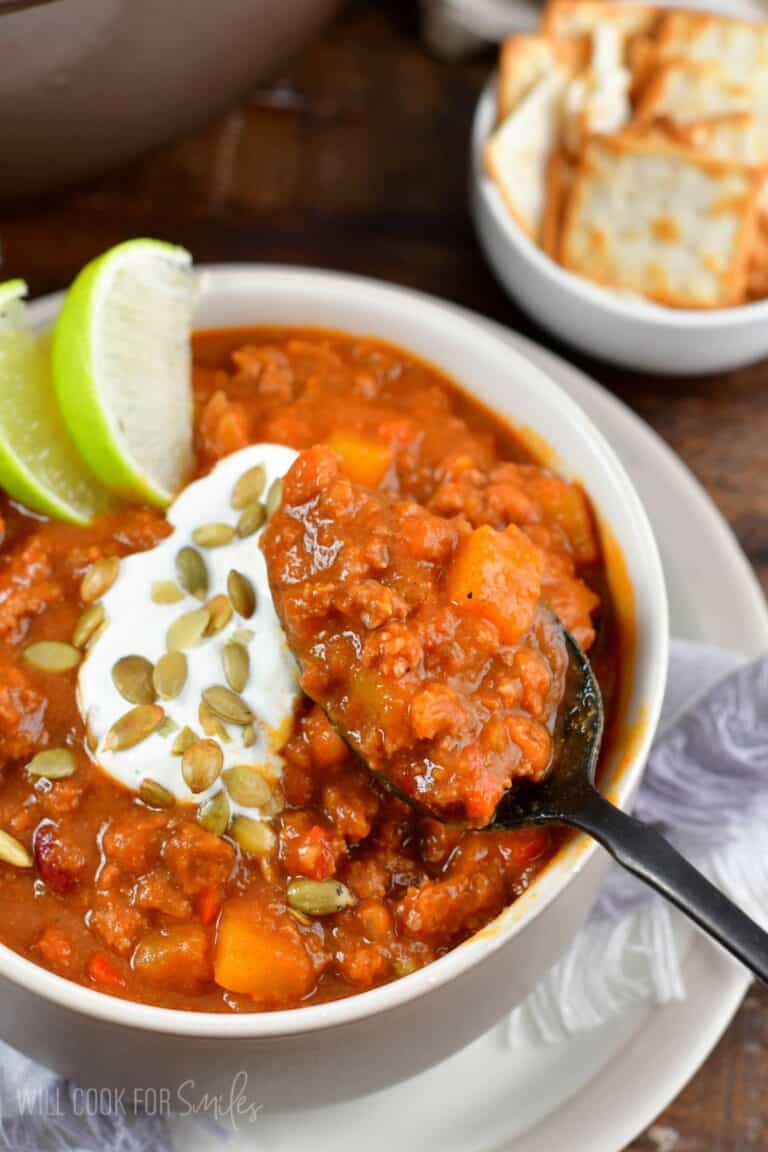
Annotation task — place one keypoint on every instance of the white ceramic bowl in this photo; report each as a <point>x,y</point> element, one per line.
<point>326,1052</point>
<point>634,333</point>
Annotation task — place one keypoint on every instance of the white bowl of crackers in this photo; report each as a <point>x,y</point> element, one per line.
<point>620,182</point>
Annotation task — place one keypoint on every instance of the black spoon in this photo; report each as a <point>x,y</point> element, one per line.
<point>568,796</point>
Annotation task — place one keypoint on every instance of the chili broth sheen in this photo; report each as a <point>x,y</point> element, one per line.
<point>341,886</point>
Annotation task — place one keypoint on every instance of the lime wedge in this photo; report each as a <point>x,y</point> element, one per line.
<point>39,464</point>
<point>121,368</point>
<point>11,291</point>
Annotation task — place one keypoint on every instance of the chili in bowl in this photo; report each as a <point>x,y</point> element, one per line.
<point>246,883</point>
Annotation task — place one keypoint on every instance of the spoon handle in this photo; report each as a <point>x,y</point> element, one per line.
<point>641,850</point>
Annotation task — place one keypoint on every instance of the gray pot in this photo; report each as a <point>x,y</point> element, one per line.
<point>87,83</point>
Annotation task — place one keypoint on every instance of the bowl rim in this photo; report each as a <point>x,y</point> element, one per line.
<point>645,314</point>
<point>245,280</point>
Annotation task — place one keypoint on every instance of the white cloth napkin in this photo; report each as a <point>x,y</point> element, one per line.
<point>706,786</point>
<point>453,28</point>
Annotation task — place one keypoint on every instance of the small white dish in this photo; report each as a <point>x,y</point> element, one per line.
<point>630,331</point>
<point>342,1049</point>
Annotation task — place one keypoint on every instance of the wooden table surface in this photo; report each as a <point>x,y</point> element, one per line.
<point>356,159</point>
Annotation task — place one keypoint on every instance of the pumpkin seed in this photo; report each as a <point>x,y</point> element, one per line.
<point>237,665</point>
<point>132,676</point>
<point>254,836</point>
<point>319,897</point>
<point>241,593</point>
<point>12,852</point>
<point>403,966</point>
<point>274,496</point>
<point>220,611</point>
<point>214,535</point>
<point>52,656</point>
<point>249,736</point>
<point>201,765</point>
<point>170,675</point>
<point>249,487</point>
<point>91,739</point>
<point>275,805</point>
<point>210,725</point>
<point>53,764</point>
<point>99,578</point>
<point>167,728</point>
<point>279,737</point>
<point>247,786</point>
<point>227,705</point>
<point>192,573</point>
<point>251,519</point>
<point>97,635</point>
<point>213,813</point>
<point>166,592</point>
<point>133,727</point>
<point>155,794</point>
<point>183,741</point>
<point>87,624</point>
<point>242,636</point>
<point>187,630</point>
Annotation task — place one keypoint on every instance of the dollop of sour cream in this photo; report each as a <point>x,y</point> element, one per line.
<point>135,625</point>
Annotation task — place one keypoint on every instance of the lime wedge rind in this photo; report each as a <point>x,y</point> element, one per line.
<point>122,371</point>
<point>39,465</point>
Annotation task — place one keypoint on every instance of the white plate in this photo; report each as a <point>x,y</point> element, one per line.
<point>596,1092</point>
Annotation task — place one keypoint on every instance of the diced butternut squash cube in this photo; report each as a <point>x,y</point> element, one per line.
<point>177,958</point>
<point>259,952</point>
<point>363,461</point>
<point>497,575</point>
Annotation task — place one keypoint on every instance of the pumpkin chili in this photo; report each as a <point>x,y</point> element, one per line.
<point>448,539</point>
<point>424,639</point>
